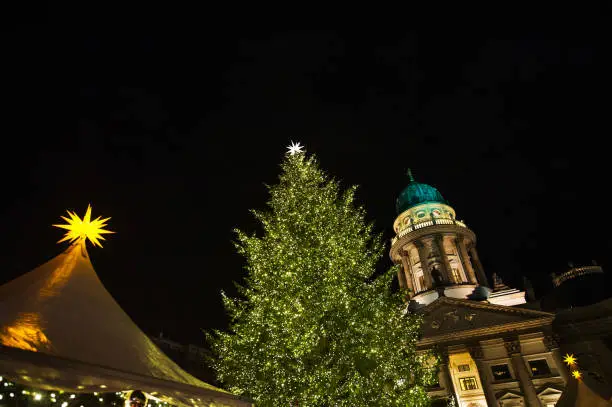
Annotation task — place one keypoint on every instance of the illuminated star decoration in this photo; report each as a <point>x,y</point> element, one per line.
<point>570,360</point>
<point>295,148</point>
<point>82,229</point>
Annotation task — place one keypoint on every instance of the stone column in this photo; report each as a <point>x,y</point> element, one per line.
<point>479,269</point>
<point>556,354</point>
<point>446,268</point>
<point>553,346</point>
<point>408,277</point>
<point>465,260</point>
<point>486,381</point>
<point>476,353</point>
<point>401,278</point>
<point>531,397</point>
<point>445,379</point>
<point>444,376</point>
<point>424,266</point>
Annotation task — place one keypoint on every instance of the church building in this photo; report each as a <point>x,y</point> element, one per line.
<point>497,348</point>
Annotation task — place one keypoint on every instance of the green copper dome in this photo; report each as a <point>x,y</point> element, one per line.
<point>415,194</point>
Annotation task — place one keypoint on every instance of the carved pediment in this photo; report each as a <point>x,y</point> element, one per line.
<point>453,316</point>
<point>509,395</point>
<point>550,391</point>
<point>510,399</point>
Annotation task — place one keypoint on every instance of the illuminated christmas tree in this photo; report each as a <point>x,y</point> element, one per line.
<point>313,325</point>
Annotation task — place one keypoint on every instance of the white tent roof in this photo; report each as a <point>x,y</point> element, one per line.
<point>61,329</point>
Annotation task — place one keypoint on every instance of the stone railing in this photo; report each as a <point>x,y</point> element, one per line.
<point>426,223</point>
<point>442,285</point>
<point>574,273</point>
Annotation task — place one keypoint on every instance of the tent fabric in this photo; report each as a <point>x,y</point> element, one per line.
<point>578,394</point>
<point>73,335</point>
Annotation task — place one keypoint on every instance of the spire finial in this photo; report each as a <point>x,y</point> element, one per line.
<point>410,176</point>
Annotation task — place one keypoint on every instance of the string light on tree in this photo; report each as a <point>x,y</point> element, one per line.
<point>314,326</point>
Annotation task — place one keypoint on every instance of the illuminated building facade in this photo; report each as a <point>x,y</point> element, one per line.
<point>497,349</point>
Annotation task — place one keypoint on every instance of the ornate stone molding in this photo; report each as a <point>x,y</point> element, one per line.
<point>486,331</point>
<point>418,243</point>
<point>485,306</point>
<point>513,346</point>
<point>475,351</point>
<point>411,237</point>
<point>551,342</point>
<point>438,237</point>
<point>443,352</point>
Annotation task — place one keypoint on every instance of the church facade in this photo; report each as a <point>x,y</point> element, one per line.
<point>497,349</point>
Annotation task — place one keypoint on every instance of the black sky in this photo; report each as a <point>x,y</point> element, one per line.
<point>173,132</point>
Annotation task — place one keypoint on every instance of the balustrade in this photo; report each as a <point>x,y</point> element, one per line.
<point>576,272</point>
<point>430,222</point>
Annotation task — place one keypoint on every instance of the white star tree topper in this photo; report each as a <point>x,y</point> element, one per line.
<point>295,148</point>
<point>83,229</point>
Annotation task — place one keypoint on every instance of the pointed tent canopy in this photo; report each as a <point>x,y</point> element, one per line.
<point>61,329</point>
<point>578,394</point>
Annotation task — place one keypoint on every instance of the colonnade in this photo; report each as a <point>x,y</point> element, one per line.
<point>519,367</point>
<point>431,249</point>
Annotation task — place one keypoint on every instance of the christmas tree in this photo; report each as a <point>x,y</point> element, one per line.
<point>314,325</point>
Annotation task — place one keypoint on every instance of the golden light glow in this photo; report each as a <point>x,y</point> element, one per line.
<point>570,360</point>
<point>82,229</point>
<point>576,374</point>
<point>26,333</point>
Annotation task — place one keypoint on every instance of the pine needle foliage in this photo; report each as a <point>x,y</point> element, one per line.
<point>313,325</point>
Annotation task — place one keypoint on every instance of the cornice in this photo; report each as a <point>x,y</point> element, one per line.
<point>428,231</point>
<point>486,331</point>
<point>439,302</point>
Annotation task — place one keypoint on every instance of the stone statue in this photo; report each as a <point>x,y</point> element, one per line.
<point>436,276</point>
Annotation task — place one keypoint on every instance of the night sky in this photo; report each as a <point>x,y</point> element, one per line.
<point>174,130</point>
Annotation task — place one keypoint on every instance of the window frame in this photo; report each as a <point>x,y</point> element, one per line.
<point>470,379</point>
<point>543,359</point>
<point>495,379</point>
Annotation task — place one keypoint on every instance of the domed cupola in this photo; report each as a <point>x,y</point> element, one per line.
<point>436,251</point>
<point>417,193</point>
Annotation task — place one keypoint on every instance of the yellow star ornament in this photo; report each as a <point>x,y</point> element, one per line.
<point>83,229</point>
<point>570,360</point>
<point>577,375</point>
